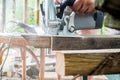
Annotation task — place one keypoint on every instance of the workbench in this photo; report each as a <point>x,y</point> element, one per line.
<point>72,51</point>
<point>89,49</point>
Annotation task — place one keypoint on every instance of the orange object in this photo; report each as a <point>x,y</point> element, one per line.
<point>0,59</point>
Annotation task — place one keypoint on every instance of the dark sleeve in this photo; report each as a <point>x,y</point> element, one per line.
<point>110,6</point>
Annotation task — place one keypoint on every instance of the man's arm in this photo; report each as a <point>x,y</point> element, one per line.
<point>110,6</point>
<point>89,6</point>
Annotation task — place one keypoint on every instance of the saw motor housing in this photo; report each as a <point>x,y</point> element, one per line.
<point>56,21</point>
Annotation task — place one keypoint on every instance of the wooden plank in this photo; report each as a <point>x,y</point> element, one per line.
<point>38,41</point>
<point>85,42</point>
<point>42,62</point>
<point>23,54</point>
<point>15,41</point>
<point>74,42</point>
<point>85,63</point>
<point>37,12</point>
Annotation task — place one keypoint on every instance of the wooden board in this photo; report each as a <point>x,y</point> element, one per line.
<point>14,40</point>
<point>74,42</point>
<point>88,62</point>
<point>86,42</point>
<point>38,41</point>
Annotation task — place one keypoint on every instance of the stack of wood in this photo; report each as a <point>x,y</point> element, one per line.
<point>97,62</point>
<point>87,55</point>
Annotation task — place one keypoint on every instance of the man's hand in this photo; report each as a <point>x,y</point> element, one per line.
<point>57,1</point>
<point>84,6</point>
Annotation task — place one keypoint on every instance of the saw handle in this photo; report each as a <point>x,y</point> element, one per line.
<point>63,5</point>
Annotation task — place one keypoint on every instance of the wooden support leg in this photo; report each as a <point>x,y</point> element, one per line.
<point>33,55</point>
<point>42,64</point>
<point>59,77</point>
<point>23,54</point>
<point>1,52</point>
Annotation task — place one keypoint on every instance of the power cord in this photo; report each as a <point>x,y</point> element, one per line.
<point>1,69</point>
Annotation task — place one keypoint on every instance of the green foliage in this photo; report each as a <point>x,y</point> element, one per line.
<point>31,16</point>
<point>103,30</point>
<point>20,30</point>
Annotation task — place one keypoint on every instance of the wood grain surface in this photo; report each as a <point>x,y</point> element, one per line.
<point>87,63</point>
